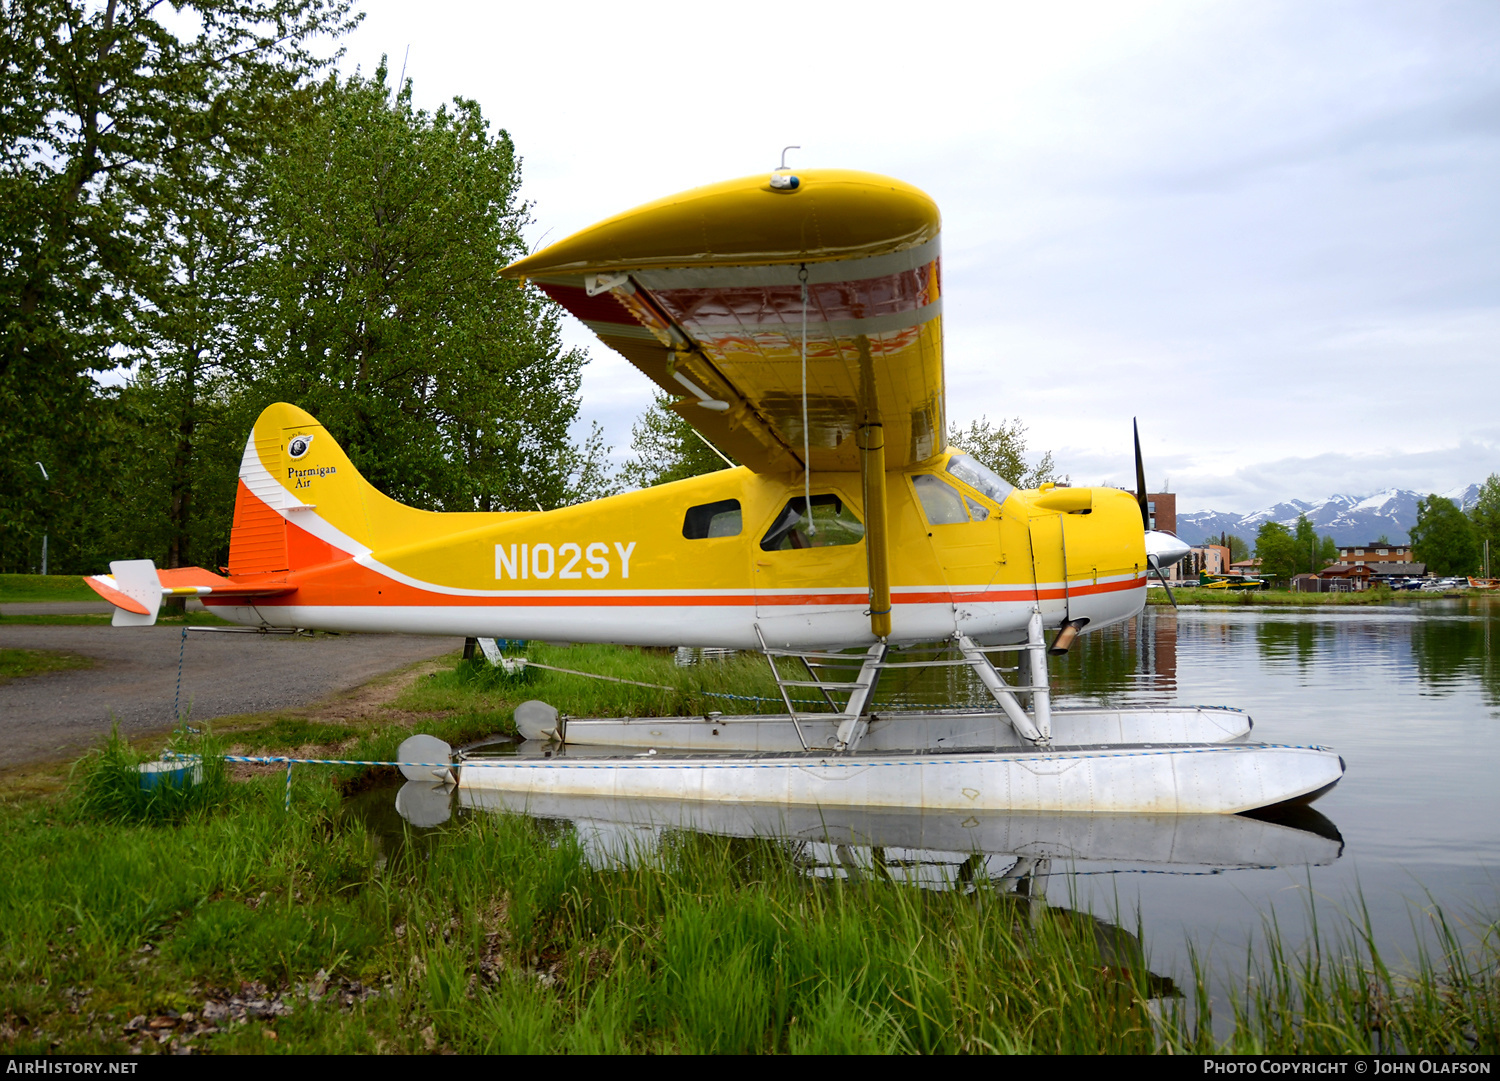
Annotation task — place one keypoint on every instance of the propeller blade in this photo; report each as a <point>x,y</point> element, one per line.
<point>1150,562</point>
<point>1140,476</point>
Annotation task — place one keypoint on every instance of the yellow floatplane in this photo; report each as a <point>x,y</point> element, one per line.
<point>798,321</point>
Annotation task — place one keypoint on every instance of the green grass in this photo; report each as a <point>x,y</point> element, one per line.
<point>692,690</point>
<point>40,588</point>
<point>496,934</point>
<point>501,937</point>
<point>18,663</point>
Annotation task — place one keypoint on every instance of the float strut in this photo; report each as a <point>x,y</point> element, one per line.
<point>1041,695</point>
<point>999,690</point>
<point>853,726</point>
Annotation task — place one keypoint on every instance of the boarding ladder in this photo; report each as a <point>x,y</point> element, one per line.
<point>853,714</point>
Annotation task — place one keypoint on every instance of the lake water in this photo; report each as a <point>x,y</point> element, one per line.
<point>1409,695</point>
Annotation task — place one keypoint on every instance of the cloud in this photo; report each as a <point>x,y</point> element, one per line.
<point>1267,230</point>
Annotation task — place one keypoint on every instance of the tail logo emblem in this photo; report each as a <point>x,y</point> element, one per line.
<point>298,446</point>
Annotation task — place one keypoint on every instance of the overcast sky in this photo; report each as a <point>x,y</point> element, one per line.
<point>1269,230</point>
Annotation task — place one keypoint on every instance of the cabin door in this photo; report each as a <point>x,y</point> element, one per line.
<point>811,584</point>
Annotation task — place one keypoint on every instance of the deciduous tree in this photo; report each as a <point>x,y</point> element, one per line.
<point>379,308</point>
<point>1485,517</point>
<point>96,100</point>
<point>1313,552</point>
<point>1002,447</point>
<point>666,448</point>
<point>1443,538</point>
<point>1277,549</point>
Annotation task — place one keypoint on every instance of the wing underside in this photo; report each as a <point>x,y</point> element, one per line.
<point>844,279</point>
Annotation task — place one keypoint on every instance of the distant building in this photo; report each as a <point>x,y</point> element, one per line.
<point>1205,559</point>
<point>1339,578</point>
<point>1161,509</point>
<point>1375,552</point>
<point>1161,513</point>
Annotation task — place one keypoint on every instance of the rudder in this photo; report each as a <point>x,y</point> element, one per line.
<point>300,501</point>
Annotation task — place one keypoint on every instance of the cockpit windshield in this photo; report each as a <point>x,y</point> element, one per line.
<point>980,477</point>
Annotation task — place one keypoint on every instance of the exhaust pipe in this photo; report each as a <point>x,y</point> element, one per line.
<point>1065,635</point>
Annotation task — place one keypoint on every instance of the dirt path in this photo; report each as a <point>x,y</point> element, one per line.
<point>134,680</point>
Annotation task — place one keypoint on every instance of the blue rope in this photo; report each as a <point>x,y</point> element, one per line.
<point>177,700</point>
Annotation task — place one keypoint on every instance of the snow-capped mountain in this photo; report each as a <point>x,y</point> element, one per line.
<point>1348,519</point>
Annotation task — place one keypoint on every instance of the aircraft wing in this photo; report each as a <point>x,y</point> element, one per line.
<point>703,292</point>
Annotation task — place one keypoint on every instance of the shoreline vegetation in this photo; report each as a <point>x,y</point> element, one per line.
<point>1200,596</point>
<point>213,920</point>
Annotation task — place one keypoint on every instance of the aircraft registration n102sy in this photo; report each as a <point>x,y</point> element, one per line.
<point>798,321</point>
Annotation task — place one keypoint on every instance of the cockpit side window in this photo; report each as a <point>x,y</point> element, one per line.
<point>833,524</point>
<point>941,502</point>
<point>981,478</point>
<point>708,520</point>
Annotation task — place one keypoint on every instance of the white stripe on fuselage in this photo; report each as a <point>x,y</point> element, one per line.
<point>730,626</point>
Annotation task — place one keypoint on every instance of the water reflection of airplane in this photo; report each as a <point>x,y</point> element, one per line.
<point>944,850</point>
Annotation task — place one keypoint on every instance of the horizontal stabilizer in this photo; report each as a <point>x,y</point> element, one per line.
<point>136,588</point>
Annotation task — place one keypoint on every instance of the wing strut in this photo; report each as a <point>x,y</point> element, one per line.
<point>872,477</point>
<point>872,473</point>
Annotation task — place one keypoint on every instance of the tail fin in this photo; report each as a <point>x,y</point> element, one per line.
<point>301,502</point>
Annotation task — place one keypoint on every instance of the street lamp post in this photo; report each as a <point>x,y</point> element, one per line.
<point>48,479</point>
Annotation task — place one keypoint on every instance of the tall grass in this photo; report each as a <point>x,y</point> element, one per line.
<point>110,786</point>
<point>1340,996</point>
<point>499,934</point>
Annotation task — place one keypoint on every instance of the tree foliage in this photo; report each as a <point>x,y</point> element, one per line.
<point>1277,550</point>
<point>99,102</point>
<point>666,448</point>
<point>1443,538</point>
<point>1002,447</point>
<point>193,207</point>
<point>379,308</point>
<point>1484,515</point>
<point>1313,552</point>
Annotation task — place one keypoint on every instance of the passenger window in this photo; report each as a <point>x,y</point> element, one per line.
<point>942,504</point>
<point>721,519</point>
<point>834,524</point>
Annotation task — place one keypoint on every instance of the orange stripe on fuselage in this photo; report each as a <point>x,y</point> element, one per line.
<point>346,583</point>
